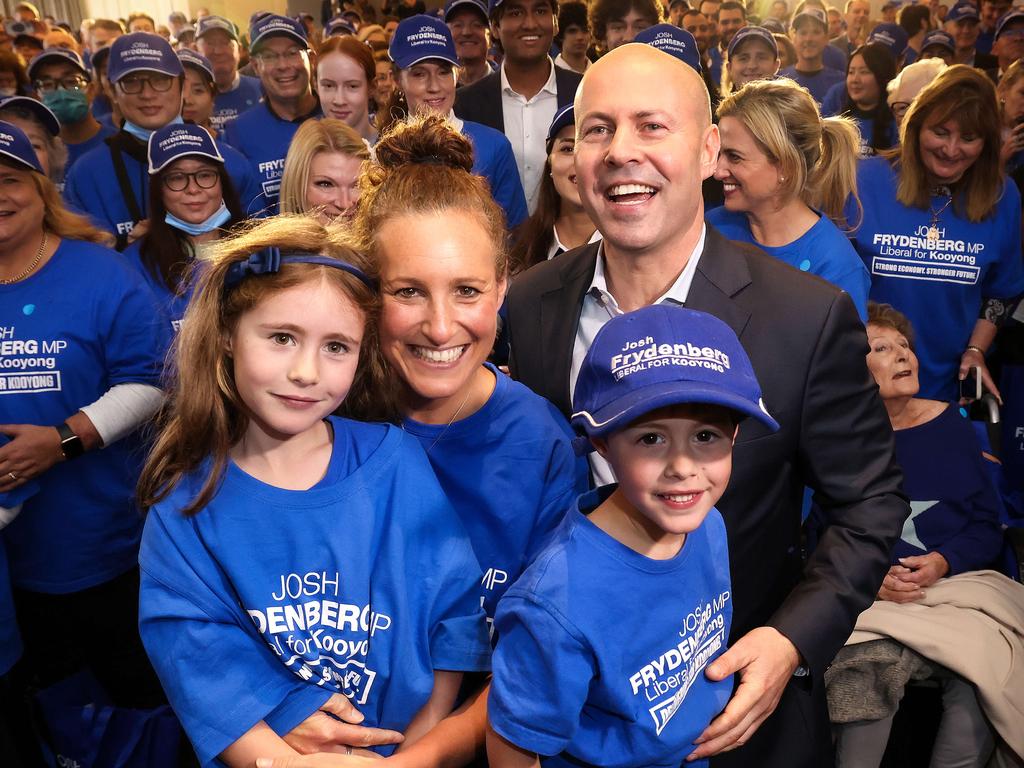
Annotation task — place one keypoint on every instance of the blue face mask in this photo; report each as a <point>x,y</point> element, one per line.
<point>69,106</point>
<point>219,217</point>
<point>142,134</point>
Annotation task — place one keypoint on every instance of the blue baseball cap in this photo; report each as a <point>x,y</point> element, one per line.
<point>419,38</point>
<point>481,6</point>
<point>210,23</point>
<point>191,58</point>
<point>272,25</point>
<point>673,41</point>
<point>663,355</point>
<point>176,140</point>
<point>15,145</point>
<point>812,12</point>
<point>1009,17</point>
<point>564,116</point>
<point>963,10</point>
<point>892,36</point>
<point>50,55</point>
<point>339,25</point>
<point>37,108</point>
<point>938,37</point>
<point>142,52</point>
<point>774,25</point>
<point>753,33</point>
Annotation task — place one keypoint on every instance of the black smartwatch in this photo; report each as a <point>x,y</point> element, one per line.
<point>70,443</point>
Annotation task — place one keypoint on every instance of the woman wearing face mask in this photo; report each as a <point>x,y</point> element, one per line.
<point>321,170</point>
<point>13,78</point>
<point>941,229</point>
<point>862,96</point>
<point>426,73</point>
<point>199,90</point>
<point>191,204</point>
<point>345,74</point>
<point>559,224</point>
<point>787,174</point>
<point>43,130</point>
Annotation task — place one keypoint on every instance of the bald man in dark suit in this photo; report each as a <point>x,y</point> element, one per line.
<point>642,152</point>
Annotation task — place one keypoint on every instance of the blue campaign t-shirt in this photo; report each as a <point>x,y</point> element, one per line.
<point>10,638</point>
<point>75,151</point>
<point>937,284</point>
<point>835,103</point>
<point>228,105</point>
<point>823,250</point>
<point>602,651</point>
<point>818,83</point>
<point>173,303</point>
<point>80,325</point>
<point>493,159</point>
<point>510,472</point>
<point>833,58</point>
<point>263,138</point>
<point>92,187</point>
<point>267,601</point>
<point>954,509</point>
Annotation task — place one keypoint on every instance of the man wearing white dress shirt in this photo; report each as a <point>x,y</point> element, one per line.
<point>521,98</point>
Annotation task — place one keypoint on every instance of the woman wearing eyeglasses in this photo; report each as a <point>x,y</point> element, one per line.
<point>191,203</point>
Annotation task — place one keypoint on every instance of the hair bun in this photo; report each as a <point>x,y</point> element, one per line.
<point>424,140</point>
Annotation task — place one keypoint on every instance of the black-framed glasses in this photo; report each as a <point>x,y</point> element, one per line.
<point>177,181</point>
<point>50,85</point>
<point>271,59</point>
<point>133,84</point>
<point>899,108</point>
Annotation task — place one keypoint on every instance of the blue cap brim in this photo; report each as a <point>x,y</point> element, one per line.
<point>21,161</point>
<point>620,412</point>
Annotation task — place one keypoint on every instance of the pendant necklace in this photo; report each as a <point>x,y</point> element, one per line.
<point>933,229</point>
<point>450,421</point>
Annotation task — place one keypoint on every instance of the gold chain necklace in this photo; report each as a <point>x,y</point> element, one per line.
<point>31,267</point>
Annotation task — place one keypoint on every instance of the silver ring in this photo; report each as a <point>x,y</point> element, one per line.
<point>14,477</point>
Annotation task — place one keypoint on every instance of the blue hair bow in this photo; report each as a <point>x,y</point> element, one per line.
<point>269,261</point>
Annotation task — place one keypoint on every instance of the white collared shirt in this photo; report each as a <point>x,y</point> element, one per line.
<point>599,306</point>
<point>557,247</point>
<point>526,126</point>
<point>561,62</point>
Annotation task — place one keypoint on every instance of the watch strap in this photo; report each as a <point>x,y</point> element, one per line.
<point>70,444</point>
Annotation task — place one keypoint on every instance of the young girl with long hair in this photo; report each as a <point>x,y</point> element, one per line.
<point>292,558</point>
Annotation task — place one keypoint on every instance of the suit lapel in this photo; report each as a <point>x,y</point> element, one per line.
<point>721,274</point>
<point>560,310</point>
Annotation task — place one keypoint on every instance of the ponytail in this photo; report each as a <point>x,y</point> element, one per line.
<point>833,179</point>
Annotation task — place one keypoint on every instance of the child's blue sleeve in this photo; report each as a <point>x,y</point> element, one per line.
<point>542,674</point>
<point>220,679</point>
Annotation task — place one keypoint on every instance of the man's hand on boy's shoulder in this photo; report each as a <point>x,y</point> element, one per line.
<point>765,660</point>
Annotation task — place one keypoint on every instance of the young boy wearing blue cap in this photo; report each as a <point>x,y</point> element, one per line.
<point>603,641</point>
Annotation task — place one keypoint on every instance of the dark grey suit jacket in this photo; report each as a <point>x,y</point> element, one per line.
<point>481,101</point>
<point>808,348</point>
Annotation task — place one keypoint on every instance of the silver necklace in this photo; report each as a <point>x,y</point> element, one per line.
<point>450,421</point>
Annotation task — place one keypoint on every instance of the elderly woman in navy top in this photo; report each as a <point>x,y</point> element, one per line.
<point>192,202</point>
<point>787,173</point>
<point>941,228</point>
<point>423,52</point>
<point>78,374</point>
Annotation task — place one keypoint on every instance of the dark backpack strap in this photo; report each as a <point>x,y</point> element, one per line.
<point>121,171</point>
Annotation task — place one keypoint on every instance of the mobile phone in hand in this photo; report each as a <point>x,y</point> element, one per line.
<point>970,387</point>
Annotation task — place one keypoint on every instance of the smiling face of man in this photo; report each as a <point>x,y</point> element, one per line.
<point>642,152</point>
<point>526,29</point>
